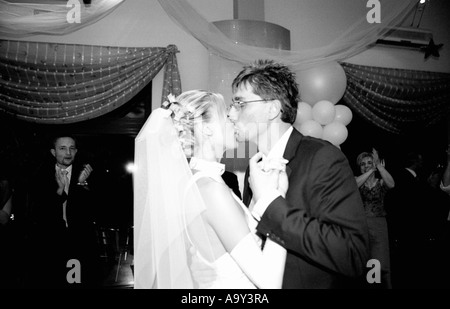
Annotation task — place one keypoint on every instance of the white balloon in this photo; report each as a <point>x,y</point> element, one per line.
<point>335,132</point>
<point>311,128</point>
<point>323,112</point>
<point>343,114</point>
<point>324,82</point>
<point>304,113</point>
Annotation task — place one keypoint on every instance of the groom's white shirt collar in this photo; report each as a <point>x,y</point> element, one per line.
<point>278,149</point>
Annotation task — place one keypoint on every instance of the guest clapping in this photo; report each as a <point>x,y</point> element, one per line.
<point>373,191</point>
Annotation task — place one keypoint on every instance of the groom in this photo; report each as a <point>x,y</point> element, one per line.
<point>321,221</point>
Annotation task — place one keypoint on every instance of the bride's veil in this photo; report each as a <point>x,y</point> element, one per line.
<point>165,204</point>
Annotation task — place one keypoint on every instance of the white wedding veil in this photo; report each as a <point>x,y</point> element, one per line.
<point>166,202</point>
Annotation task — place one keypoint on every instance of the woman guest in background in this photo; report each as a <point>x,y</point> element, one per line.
<point>182,202</point>
<point>373,191</point>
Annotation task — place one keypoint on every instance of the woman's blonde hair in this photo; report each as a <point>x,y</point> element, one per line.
<point>191,108</point>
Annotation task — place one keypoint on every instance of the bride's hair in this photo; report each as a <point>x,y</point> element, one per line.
<point>191,108</point>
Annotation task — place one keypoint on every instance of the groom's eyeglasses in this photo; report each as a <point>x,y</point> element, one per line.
<point>239,104</point>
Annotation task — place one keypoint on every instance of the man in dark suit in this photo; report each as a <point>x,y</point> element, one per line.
<point>321,219</point>
<point>62,206</point>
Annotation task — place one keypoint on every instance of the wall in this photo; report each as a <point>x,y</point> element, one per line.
<point>435,18</point>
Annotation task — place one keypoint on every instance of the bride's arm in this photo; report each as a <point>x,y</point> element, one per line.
<point>264,268</point>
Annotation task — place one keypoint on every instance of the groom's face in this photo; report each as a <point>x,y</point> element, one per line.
<point>249,120</point>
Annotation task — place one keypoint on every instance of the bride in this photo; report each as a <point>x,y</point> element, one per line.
<point>185,213</point>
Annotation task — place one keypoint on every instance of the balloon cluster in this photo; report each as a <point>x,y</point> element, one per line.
<point>324,120</point>
<point>318,115</point>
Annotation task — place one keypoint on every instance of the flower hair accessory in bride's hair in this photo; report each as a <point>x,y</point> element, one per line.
<point>171,103</point>
<point>181,116</point>
<point>179,111</point>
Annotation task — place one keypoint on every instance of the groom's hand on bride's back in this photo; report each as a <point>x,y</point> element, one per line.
<point>202,271</point>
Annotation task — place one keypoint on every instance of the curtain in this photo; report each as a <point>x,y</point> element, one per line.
<point>356,38</point>
<point>66,83</point>
<point>25,19</point>
<point>397,100</point>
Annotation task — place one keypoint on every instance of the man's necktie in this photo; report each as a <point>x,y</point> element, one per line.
<point>66,178</point>
<point>66,189</point>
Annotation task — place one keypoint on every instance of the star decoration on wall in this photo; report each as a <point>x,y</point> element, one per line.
<point>431,49</point>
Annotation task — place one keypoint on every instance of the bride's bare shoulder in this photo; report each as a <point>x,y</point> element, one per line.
<point>206,184</point>
<point>214,190</point>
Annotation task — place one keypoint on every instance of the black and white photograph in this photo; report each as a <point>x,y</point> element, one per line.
<point>225,149</point>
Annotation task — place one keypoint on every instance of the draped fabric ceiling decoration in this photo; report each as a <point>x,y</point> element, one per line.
<point>24,19</point>
<point>61,83</point>
<point>65,83</point>
<point>358,35</point>
<point>392,99</point>
<point>397,100</point>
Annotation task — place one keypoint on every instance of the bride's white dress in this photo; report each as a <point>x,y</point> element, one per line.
<point>229,274</point>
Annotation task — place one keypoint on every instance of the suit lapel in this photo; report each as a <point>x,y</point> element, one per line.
<point>247,195</point>
<point>291,148</point>
<point>288,170</point>
<point>292,144</point>
<point>76,170</point>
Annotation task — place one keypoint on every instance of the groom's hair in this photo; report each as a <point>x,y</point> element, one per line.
<point>271,80</point>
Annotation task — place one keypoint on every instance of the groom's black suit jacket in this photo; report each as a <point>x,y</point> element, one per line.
<point>321,222</point>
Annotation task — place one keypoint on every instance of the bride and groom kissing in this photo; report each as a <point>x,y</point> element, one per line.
<point>301,221</point>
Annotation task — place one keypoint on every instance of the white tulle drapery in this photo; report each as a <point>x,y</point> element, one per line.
<point>26,19</point>
<point>351,41</point>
